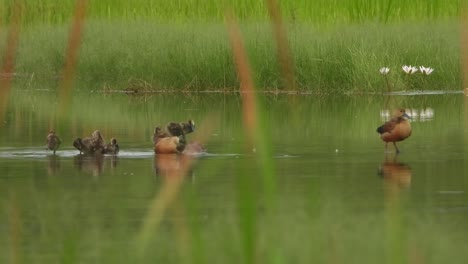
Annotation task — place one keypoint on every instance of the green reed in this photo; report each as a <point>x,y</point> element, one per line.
<point>198,57</point>
<point>319,11</point>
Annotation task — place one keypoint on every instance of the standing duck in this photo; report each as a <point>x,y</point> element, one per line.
<point>396,129</point>
<point>53,141</point>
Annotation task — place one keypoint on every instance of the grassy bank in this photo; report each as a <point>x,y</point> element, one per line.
<point>198,56</point>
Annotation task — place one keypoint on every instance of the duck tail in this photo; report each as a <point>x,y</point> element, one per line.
<point>380,129</point>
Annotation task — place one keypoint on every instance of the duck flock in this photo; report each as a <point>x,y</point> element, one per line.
<point>171,139</point>
<point>166,140</point>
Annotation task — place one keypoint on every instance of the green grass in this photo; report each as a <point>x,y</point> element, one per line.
<point>317,11</point>
<point>337,46</point>
<point>198,57</point>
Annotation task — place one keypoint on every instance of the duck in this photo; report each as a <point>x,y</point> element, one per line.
<point>396,129</point>
<point>53,141</point>
<point>164,144</point>
<point>180,129</point>
<point>112,147</point>
<point>84,145</point>
<point>90,145</point>
<point>97,139</point>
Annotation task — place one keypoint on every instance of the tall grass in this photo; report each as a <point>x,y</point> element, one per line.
<point>197,57</point>
<point>318,11</point>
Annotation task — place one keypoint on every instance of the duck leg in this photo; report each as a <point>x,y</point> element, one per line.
<point>396,148</point>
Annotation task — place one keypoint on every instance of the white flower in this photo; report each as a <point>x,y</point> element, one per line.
<point>406,69</point>
<point>409,69</point>
<point>384,70</point>
<point>425,70</point>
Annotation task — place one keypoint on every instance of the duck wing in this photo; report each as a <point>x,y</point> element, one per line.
<point>387,126</point>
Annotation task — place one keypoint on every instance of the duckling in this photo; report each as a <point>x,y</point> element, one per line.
<point>112,147</point>
<point>180,129</point>
<point>78,144</point>
<point>53,141</point>
<point>164,144</point>
<point>84,145</point>
<point>97,139</point>
<point>396,129</point>
<point>90,145</point>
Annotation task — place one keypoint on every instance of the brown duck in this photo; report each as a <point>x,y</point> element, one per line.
<point>53,141</point>
<point>164,144</point>
<point>396,129</point>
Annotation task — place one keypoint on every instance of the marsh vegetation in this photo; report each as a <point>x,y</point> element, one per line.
<point>335,46</point>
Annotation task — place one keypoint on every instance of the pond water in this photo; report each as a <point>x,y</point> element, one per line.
<point>334,194</point>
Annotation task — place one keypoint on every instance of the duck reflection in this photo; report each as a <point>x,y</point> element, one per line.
<point>172,166</point>
<point>395,172</point>
<point>94,164</point>
<point>53,164</point>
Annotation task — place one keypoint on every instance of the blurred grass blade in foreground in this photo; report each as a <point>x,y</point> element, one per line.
<point>71,57</point>
<point>8,65</point>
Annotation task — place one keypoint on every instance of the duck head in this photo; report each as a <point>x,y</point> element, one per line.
<point>401,113</point>
<point>78,144</point>
<point>190,126</point>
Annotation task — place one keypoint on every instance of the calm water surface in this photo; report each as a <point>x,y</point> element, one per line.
<point>338,196</point>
